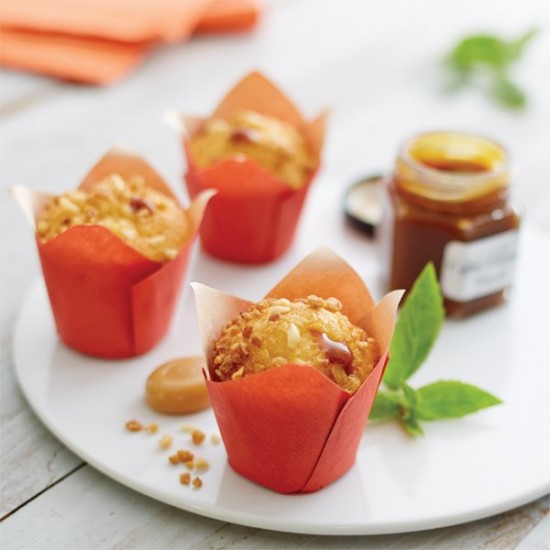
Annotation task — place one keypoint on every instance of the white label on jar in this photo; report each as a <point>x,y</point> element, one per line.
<point>470,270</point>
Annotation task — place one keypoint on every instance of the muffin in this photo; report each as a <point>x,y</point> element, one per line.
<point>147,220</point>
<point>307,331</point>
<point>291,379</point>
<point>274,144</point>
<point>113,255</point>
<point>261,156</point>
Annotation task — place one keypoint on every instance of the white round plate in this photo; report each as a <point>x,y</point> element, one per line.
<point>461,470</point>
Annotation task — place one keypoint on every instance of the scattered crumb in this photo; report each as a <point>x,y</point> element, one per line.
<point>202,464</point>
<point>165,442</point>
<point>182,456</point>
<point>174,459</point>
<point>197,483</point>
<point>185,456</point>
<point>134,426</point>
<point>185,478</point>
<point>197,436</point>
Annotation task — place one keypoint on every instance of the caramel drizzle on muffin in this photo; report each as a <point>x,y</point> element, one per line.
<point>310,331</point>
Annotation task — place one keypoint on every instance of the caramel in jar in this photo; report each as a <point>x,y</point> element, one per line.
<point>449,204</point>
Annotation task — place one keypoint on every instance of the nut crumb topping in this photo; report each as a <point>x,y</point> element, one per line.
<point>197,437</point>
<point>134,426</point>
<point>185,456</point>
<point>152,428</point>
<point>165,442</point>
<point>275,144</point>
<point>309,331</point>
<point>185,478</point>
<point>202,464</point>
<point>197,483</point>
<point>147,220</point>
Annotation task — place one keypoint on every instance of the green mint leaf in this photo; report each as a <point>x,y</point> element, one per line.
<point>386,407</point>
<point>516,47</point>
<point>417,327</point>
<point>411,396</point>
<point>485,58</point>
<point>480,50</point>
<point>451,399</point>
<point>508,93</point>
<point>411,425</point>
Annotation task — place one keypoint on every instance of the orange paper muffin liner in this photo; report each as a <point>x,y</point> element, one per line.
<point>107,299</point>
<point>290,428</point>
<point>254,216</point>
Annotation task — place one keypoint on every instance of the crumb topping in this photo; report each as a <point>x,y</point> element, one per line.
<point>309,331</point>
<point>274,144</point>
<point>149,221</point>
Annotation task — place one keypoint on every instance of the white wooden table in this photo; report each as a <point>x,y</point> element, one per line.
<point>376,66</point>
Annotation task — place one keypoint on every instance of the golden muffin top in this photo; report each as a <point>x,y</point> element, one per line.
<point>308,331</point>
<point>149,221</point>
<point>274,144</point>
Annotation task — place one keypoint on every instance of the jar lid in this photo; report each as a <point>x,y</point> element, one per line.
<point>363,203</point>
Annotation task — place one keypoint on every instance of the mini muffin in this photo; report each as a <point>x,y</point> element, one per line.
<point>147,220</point>
<point>308,331</point>
<point>274,144</point>
<point>291,379</point>
<point>261,155</point>
<point>113,254</point>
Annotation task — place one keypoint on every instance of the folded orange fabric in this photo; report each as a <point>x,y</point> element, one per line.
<point>99,41</point>
<point>124,20</point>
<point>229,16</point>
<point>86,60</point>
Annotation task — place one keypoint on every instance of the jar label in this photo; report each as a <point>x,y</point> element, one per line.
<point>474,269</point>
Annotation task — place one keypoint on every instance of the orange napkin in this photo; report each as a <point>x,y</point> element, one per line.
<point>99,41</point>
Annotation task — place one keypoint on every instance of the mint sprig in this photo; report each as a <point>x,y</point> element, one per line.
<point>418,325</point>
<point>420,320</point>
<point>485,60</point>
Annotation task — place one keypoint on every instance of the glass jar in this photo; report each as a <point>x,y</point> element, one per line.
<point>450,204</point>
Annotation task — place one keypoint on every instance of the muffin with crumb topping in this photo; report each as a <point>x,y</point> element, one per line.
<point>261,155</point>
<point>113,253</point>
<point>147,220</point>
<point>292,378</point>
<point>308,331</point>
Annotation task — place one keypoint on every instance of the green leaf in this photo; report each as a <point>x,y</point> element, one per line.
<point>386,406</point>
<point>411,396</point>
<point>452,399</point>
<point>485,58</point>
<point>508,93</point>
<point>516,47</point>
<point>480,50</point>
<point>489,51</point>
<point>416,330</point>
<point>411,425</point>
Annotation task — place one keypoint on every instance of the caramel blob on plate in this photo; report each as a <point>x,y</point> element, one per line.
<point>177,387</point>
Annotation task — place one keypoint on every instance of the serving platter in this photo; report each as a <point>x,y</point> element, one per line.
<point>461,470</point>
